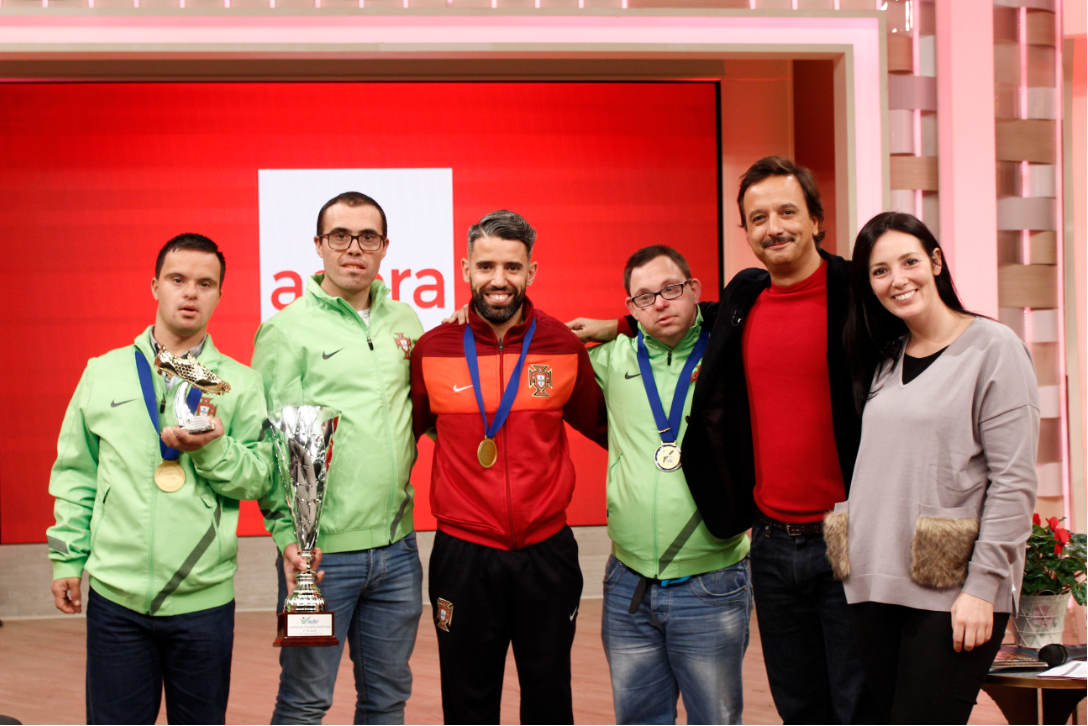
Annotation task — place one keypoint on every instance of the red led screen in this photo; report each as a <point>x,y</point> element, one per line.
<point>95,178</point>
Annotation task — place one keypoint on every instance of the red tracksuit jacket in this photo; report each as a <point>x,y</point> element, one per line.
<point>523,498</point>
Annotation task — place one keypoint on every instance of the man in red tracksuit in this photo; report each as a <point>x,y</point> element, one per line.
<point>504,567</point>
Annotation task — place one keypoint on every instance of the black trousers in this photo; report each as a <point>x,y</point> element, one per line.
<point>484,599</point>
<point>911,667</point>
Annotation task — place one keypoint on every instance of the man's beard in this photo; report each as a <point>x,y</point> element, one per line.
<point>497,314</point>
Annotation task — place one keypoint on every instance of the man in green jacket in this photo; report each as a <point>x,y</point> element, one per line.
<point>153,518</point>
<point>676,598</point>
<point>346,345</point>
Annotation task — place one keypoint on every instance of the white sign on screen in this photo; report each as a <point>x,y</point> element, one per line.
<point>418,204</point>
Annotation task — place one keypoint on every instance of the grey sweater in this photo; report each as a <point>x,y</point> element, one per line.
<point>945,482</point>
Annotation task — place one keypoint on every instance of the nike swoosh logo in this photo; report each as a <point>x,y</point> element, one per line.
<point>462,388</point>
<point>326,356</point>
<point>573,614</point>
<point>628,376</point>
<point>115,404</point>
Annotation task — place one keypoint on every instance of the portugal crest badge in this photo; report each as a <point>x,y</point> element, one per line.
<point>404,343</point>
<point>445,614</point>
<point>205,407</point>
<point>695,373</point>
<point>540,379</point>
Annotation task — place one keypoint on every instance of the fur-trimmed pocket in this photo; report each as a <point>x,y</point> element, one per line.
<point>941,549</point>
<point>837,539</point>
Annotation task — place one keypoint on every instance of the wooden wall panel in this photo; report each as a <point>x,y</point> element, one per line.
<point>1009,247</point>
<point>1040,28</point>
<point>1045,358</point>
<point>900,54</point>
<point>1040,66</point>
<point>1027,286</point>
<point>1008,179</point>
<point>1050,440</point>
<point>1043,248</point>
<point>1027,140</point>
<point>914,172</point>
<point>1005,25</point>
<point>1007,63</point>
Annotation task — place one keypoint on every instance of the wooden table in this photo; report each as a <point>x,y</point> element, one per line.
<point>1017,695</point>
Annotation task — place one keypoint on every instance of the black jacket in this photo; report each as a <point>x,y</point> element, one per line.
<point>717,450</point>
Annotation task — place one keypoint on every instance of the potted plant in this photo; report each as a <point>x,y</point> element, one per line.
<point>1054,568</point>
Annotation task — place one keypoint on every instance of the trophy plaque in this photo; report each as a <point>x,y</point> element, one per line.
<point>193,374</point>
<point>302,443</point>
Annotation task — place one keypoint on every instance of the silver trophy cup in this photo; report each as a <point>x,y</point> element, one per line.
<point>302,443</point>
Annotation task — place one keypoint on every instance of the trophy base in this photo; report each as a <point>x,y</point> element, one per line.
<point>198,425</point>
<point>317,631</point>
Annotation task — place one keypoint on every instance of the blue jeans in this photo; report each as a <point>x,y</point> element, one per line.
<point>132,657</point>
<point>807,632</point>
<point>688,638</point>
<point>377,596</point>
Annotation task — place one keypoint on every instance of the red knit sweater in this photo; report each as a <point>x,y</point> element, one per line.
<point>798,478</point>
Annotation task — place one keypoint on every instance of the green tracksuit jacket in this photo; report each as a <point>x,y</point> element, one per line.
<point>151,551</point>
<point>319,351</point>
<point>655,527</point>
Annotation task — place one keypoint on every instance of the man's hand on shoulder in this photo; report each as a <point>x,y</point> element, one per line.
<point>589,330</point>
<point>178,438</point>
<point>66,595</point>
<point>459,317</point>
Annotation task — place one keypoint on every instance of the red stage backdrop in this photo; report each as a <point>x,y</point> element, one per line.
<point>95,178</point>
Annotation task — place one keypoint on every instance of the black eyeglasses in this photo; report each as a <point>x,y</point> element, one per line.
<point>669,292</point>
<point>340,240</point>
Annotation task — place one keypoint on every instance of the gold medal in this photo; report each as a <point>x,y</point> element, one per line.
<point>487,453</point>
<point>667,457</point>
<point>169,476</point>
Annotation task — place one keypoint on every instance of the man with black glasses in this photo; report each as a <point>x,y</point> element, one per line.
<point>676,597</point>
<point>346,345</point>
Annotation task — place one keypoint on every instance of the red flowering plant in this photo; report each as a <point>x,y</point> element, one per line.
<point>1055,561</point>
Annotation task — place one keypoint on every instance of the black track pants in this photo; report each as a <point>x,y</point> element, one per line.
<point>911,667</point>
<point>483,600</point>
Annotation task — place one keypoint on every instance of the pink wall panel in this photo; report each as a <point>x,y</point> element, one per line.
<point>1080,229</point>
<point>968,174</point>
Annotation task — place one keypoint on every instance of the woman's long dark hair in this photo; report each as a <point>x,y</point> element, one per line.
<point>873,335</point>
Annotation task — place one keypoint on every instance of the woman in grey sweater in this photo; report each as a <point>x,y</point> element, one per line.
<point>930,545</point>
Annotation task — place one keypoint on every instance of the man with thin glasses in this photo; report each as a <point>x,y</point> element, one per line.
<point>346,345</point>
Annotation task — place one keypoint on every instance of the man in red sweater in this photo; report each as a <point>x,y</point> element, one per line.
<point>804,433</point>
<point>504,567</point>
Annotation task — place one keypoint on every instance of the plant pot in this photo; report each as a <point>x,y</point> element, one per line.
<point>1041,620</point>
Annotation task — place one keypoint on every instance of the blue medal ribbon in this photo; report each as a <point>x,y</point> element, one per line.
<point>148,387</point>
<point>511,391</point>
<point>669,428</point>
